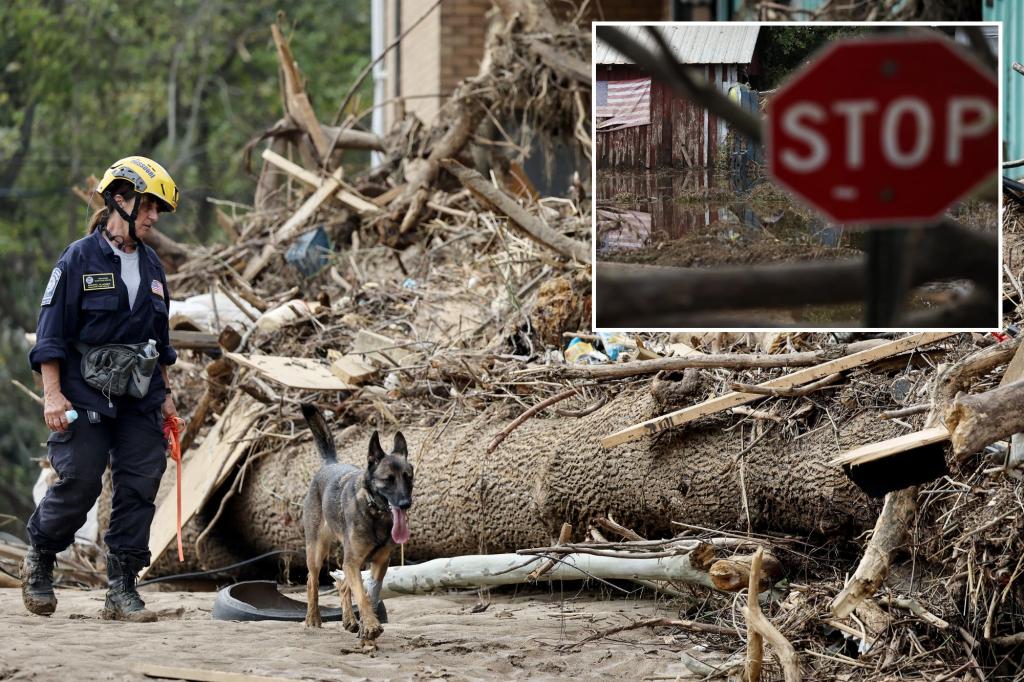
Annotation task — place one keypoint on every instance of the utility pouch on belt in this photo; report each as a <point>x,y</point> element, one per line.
<point>118,369</point>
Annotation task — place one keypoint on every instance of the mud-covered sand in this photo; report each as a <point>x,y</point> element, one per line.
<point>429,637</point>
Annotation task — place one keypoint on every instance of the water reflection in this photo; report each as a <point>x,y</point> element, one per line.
<point>638,210</point>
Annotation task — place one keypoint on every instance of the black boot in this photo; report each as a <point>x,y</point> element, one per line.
<point>37,582</point>
<point>123,600</point>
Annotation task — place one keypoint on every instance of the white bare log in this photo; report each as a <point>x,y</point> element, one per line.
<point>509,569</point>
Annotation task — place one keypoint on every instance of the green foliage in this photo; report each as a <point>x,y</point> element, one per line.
<point>187,82</point>
<point>787,47</point>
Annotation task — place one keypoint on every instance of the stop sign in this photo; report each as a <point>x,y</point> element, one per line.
<point>884,131</point>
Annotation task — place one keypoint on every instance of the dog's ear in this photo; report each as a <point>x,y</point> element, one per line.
<point>400,448</point>
<point>376,453</point>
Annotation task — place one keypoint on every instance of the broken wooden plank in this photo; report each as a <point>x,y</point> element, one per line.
<point>304,373</point>
<point>299,219</point>
<point>344,195</point>
<point>908,441</point>
<point>202,472</point>
<point>380,349</point>
<point>1015,370</point>
<point>729,400</point>
<point>350,368</point>
<point>196,675</point>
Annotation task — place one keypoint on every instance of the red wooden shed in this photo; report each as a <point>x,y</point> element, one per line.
<point>643,123</point>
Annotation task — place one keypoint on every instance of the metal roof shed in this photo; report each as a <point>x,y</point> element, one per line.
<point>662,129</point>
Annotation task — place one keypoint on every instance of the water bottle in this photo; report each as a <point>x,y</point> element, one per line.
<point>150,350</point>
<point>71,415</point>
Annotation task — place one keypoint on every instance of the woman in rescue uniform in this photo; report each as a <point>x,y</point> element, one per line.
<point>108,291</point>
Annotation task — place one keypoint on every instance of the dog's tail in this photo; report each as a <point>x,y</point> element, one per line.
<point>321,434</point>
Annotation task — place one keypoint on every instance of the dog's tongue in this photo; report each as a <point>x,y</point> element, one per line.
<point>399,526</point>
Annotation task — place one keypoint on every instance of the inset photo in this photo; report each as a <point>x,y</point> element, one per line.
<point>795,176</point>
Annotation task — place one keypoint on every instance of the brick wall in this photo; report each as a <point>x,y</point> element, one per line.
<point>449,44</point>
<point>463,30</point>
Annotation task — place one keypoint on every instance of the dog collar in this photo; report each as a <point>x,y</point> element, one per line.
<point>376,498</point>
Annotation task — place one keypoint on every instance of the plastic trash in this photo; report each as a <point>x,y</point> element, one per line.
<point>583,353</point>
<point>72,415</point>
<point>616,342</point>
<point>310,252</point>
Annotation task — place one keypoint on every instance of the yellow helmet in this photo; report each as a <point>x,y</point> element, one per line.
<point>148,177</point>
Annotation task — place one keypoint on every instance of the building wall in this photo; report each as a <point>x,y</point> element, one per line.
<point>463,30</point>
<point>449,44</point>
<point>1011,13</point>
<point>680,135</point>
<point>419,59</point>
<point>443,49</point>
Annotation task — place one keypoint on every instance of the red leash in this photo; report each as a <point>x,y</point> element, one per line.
<point>172,430</point>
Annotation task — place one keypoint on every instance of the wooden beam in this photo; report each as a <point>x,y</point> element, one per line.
<point>351,369</point>
<point>729,400</point>
<point>299,219</point>
<point>909,441</point>
<point>348,197</point>
<point>202,472</point>
<point>303,373</point>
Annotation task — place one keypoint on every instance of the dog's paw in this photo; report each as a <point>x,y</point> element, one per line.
<point>371,629</point>
<point>313,621</point>
<point>349,622</point>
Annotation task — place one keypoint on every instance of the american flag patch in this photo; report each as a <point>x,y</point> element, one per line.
<point>157,288</point>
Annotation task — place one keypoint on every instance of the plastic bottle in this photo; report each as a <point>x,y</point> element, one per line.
<point>150,350</point>
<point>71,415</point>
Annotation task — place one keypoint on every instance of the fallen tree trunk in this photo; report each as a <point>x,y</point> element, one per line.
<point>974,421</point>
<point>513,569</point>
<point>550,471</point>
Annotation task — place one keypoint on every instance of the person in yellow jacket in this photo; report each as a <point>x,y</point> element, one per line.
<point>102,334</point>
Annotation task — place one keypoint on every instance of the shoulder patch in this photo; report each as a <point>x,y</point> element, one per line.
<point>51,287</point>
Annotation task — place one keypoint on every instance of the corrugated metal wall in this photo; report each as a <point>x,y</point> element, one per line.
<point>681,134</point>
<point>1011,13</point>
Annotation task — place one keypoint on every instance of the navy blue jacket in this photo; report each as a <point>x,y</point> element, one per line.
<point>86,300</point>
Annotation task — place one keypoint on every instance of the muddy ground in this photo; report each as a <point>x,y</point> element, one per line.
<point>429,637</point>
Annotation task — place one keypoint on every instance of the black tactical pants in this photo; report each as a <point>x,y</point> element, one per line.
<point>135,446</point>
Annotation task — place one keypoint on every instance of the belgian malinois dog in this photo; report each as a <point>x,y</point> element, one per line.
<point>366,511</point>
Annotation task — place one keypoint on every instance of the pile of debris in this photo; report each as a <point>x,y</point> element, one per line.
<point>455,307</point>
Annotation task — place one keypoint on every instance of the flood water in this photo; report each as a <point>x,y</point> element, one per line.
<point>647,209</point>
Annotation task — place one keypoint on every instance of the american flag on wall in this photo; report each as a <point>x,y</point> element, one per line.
<point>623,104</point>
